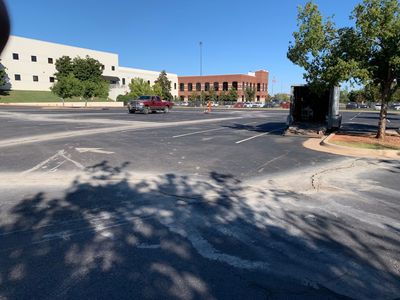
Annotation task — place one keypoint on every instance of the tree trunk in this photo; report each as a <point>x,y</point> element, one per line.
<point>382,121</point>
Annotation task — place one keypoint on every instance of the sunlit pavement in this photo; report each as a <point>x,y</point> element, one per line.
<point>103,204</point>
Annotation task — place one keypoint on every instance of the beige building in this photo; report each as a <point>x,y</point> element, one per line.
<point>31,66</point>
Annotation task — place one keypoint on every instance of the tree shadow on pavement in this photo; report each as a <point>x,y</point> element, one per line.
<point>110,236</point>
<point>275,128</point>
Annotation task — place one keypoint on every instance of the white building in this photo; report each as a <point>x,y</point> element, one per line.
<point>31,66</point>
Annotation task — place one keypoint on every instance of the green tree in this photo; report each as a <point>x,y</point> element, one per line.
<point>367,53</point>
<point>282,97</point>
<point>249,94</point>
<point>63,66</point>
<point>87,69</point>
<point>139,87</point>
<point>165,85</point>
<point>79,77</point>
<point>193,97</point>
<point>157,90</point>
<point>203,97</point>
<point>223,97</point>
<point>232,95</point>
<point>67,87</point>
<point>3,75</point>
<point>212,94</point>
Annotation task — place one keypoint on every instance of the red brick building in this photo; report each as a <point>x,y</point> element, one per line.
<point>195,84</point>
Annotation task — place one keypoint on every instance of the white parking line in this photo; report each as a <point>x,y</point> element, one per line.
<point>355,116</point>
<point>258,135</point>
<point>197,132</point>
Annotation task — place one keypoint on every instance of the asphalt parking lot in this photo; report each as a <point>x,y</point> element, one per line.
<point>186,205</point>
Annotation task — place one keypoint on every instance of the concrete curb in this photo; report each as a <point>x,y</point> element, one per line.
<point>357,151</point>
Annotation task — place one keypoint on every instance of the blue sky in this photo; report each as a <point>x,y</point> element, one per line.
<point>238,36</point>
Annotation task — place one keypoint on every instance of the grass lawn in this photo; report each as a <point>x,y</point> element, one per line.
<point>366,145</point>
<point>36,96</point>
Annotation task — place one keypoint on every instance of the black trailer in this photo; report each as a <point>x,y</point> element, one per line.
<point>312,110</point>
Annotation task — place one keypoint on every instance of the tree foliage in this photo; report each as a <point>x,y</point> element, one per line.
<point>232,95</point>
<point>79,77</point>
<point>3,75</point>
<point>367,53</point>
<point>281,97</point>
<point>249,94</point>
<point>165,84</point>
<point>212,94</point>
<point>139,87</point>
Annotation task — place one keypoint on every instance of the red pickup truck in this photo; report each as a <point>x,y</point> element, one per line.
<point>147,104</point>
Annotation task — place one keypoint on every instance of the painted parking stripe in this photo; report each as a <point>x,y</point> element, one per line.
<point>258,135</point>
<point>355,116</point>
<point>197,132</point>
<point>204,131</point>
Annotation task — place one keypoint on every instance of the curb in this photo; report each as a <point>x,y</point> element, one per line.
<point>357,151</point>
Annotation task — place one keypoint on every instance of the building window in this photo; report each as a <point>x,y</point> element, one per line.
<point>258,87</point>
<point>216,86</point>
<point>112,68</point>
<point>235,85</point>
<point>258,98</point>
<point>15,56</point>
<point>33,58</point>
<point>35,78</point>
<point>123,81</point>
<point>182,98</point>
<point>51,79</point>
<point>224,86</point>
<point>17,77</point>
<point>207,86</point>
<point>174,85</point>
<point>190,87</point>
<point>198,86</point>
<point>181,87</point>
<point>50,60</point>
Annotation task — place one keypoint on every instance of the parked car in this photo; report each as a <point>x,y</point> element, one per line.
<point>239,105</point>
<point>352,105</point>
<point>377,106</point>
<point>285,105</point>
<point>268,105</point>
<point>363,105</point>
<point>395,106</point>
<point>149,103</point>
<point>215,104</point>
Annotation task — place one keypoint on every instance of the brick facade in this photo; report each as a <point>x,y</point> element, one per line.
<point>258,80</point>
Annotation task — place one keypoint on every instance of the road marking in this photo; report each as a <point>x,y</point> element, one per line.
<point>197,132</point>
<point>258,135</point>
<point>93,150</point>
<point>76,133</point>
<point>355,116</point>
<point>43,163</point>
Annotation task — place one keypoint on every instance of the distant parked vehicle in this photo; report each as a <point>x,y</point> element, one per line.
<point>352,105</point>
<point>363,105</point>
<point>215,104</point>
<point>285,105</point>
<point>395,106</point>
<point>147,104</point>
<point>239,105</point>
<point>377,106</point>
<point>268,105</point>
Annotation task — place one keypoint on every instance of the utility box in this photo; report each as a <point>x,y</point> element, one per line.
<point>314,111</point>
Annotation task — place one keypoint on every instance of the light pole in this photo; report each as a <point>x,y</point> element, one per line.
<point>201,58</point>
<point>201,69</point>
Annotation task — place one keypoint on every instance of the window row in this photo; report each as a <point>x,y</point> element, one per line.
<point>50,60</point>
<point>35,78</point>
<point>198,87</point>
